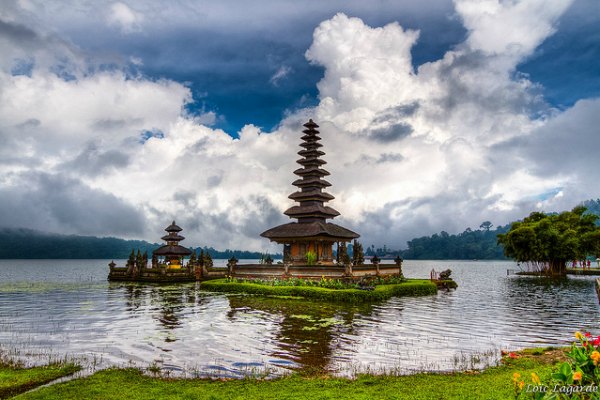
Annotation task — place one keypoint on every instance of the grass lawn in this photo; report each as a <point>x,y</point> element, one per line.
<point>15,380</point>
<point>494,383</point>
<point>412,287</point>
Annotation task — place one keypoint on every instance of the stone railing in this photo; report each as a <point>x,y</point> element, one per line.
<point>250,271</point>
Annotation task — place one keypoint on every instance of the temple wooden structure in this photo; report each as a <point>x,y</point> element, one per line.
<point>170,263</point>
<point>308,242</point>
<point>172,253</point>
<point>311,238</point>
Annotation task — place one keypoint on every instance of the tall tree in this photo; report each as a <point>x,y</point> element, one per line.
<point>550,240</point>
<point>486,225</point>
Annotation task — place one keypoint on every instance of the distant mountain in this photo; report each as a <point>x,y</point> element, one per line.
<point>20,243</point>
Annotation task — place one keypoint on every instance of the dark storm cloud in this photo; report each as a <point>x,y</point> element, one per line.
<point>390,157</point>
<point>198,147</point>
<point>396,113</point>
<point>567,143</point>
<point>30,123</point>
<point>257,214</point>
<point>258,220</point>
<point>55,203</point>
<point>109,124</point>
<point>380,159</point>
<point>94,162</point>
<point>187,199</point>
<point>391,133</point>
<point>230,51</point>
<point>214,181</point>
<point>17,33</point>
<point>457,73</point>
<point>450,212</point>
<point>27,38</point>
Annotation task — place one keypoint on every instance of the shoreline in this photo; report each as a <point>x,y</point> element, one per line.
<point>490,383</point>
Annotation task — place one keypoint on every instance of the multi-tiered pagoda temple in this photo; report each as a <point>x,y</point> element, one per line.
<point>312,237</point>
<point>172,252</point>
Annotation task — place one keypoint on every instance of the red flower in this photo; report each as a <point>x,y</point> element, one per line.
<point>513,355</point>
<point>587,334</point>
<point>597,341</point>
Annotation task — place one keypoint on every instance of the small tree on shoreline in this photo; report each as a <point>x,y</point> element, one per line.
<point>550,240</point>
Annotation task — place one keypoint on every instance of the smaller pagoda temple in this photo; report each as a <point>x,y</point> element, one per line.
<point>311,238</point>
<point>168,263</point>
<point>172,252</point>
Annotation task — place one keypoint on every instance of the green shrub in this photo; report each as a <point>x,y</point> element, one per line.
<point>416,287</point>
<point>311,257</point>
<point>575,379</point>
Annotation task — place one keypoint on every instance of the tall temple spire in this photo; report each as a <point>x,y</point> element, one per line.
<point>312,232</point>
<point>311,183</point>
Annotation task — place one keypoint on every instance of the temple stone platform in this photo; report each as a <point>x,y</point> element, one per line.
<point>192,273</point>
<point>314,272</point>
<point>163,274</point>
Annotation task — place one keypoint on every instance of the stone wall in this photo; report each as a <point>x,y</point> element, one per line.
<point>250,271</point>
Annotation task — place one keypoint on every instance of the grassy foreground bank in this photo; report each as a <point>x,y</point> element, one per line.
<point>493,383</point>
<point>412,287</point>
<point>15,380</point>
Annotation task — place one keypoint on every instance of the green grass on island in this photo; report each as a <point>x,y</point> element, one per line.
<point>410,287</point>
<point>15,380</point>
<point>493,383</point>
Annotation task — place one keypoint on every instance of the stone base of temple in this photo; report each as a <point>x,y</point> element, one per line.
<point>349,272</point>
<point>165,274</point>
<point>252,271</point>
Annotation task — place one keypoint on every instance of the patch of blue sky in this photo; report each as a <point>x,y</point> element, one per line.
<point>547,194</point>
<point>22,67</point>
<point>147,134</point>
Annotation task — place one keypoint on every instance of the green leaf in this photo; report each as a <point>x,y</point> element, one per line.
<point>566,369</point>
<point>559,376</point>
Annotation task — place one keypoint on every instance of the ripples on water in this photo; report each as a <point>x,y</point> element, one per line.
<point>52,309</point>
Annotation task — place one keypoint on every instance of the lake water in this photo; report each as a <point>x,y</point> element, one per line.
<point>56,309</point>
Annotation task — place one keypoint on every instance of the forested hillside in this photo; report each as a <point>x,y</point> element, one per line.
<point>471,244</point>
<point>18,243</point>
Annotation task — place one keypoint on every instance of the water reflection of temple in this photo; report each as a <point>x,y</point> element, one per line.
<point>168,305</point>
<point>309,333</point>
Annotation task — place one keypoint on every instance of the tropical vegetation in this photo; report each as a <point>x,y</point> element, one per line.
<point>576,378</point>
<point>410,287</point>
<point>547,242</point>
<point>479,244</point>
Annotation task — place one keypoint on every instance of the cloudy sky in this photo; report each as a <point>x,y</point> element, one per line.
<point>117,117</point>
